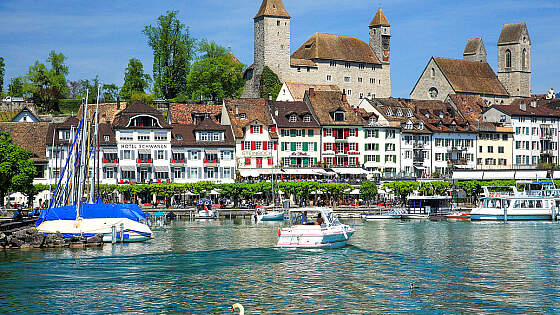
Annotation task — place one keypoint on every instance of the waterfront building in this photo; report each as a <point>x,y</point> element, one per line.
<point>58,141</point>
<point>359,69</point>
<point>255,135</point>
<point>293,91</point>
<point>299,134</point>
<point>341,128</point>
<point>535,126</point>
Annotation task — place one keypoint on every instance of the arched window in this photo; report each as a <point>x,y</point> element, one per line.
<point>508,58</point>
<point>524,58</point>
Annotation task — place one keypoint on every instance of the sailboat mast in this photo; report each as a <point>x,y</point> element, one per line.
<point>83,154</point>
<point>95,145</point>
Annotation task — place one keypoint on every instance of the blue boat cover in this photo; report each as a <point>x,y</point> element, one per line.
<point>97,210</point>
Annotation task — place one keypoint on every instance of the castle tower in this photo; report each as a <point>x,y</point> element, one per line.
<point>272,38</point>
<point>514,59</point>
<point>475,51</point>
<point>380,37</point>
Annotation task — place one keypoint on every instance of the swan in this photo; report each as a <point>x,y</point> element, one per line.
<point>238,306</point>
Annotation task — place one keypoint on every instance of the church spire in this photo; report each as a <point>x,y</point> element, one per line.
<point>379,19</point>
<point>273,8</point>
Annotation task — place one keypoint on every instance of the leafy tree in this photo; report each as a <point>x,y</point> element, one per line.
<point>2,72</point>
<point>74,89</point>
<point>92,86</point>
<point>139,96</point>
<point>135,80</point>
<point>173,50</point>
<point>48,86</point>
<point>110,92</point>
<point>402,188</point>
<point>16,167</point>
<point>269,83</point>
<point>34,190</point>
<point>215,75</point>
<point>368,190</point>
<point>16,87</point>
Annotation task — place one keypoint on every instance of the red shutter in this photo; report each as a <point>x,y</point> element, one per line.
<point>334,132</point>
<point>356,132</point>
<point>265,145</point>
<point>253,145</point>
<point>357,149</point>
<point>324,146</point>
<point>324,132</point>
<point>242,145</point>
<point>247,161</point>
<point>346,147</point>
<point>261,129</point>
<point>273,128</point>
<point>275,145</point>
<point>269,161</point>
<point>251,129</point>
<point>346,133</point>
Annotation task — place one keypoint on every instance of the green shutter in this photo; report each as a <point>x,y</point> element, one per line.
<point>310,132</point>
<point>315,160</point>
<point>365,134</point>
<point>283,146</point>
<point>293,146</point>
<point>293,161</point>
<point>292,133</point>
<point>305,162</point>
<point>315,145</point>
<point>377,133</point>
<point>305,146</point>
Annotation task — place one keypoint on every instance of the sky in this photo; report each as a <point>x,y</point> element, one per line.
<point>99,37</point>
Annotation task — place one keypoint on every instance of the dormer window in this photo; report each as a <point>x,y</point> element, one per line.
<point>143,121</point>
<point>409,113</point>
<point>389,112</point>
<point>243,116</point>
<point>409,125</point>
<point>399,112</point>
<point>339,116</point>
<point>441,115</point>
<point>372,120</point>
<point>292,118</point>
<point>64,134</point>
<point>307,118</point>
<point>106,138</point>
<point>421,125</point>
<point>203,136</point>
<point>179,137</point>
<point>216,136</point>
<point>256,129</point>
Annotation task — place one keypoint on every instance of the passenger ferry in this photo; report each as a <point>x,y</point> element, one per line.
<point>427,207</point>
<point>496,207</point>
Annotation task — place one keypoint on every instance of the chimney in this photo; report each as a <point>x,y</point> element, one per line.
<point>534,104</point>
<point>270,97</point>
<point>118,102</point>
<point>311,91</point>
<point>523,107</point>
<point>236,110</point>
<point>276,112</point>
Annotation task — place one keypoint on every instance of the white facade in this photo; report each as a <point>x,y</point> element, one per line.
<point>453,150</point>
<point>257,150</point>
<point>299,147</point>
<point>341,145</point>
<point>382,147</point>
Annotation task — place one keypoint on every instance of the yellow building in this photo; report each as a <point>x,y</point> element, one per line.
<point>495,147</point>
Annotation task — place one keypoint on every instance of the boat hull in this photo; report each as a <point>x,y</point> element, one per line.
<point>277,216</point>
<point>203,215</point>
<point>132,231</point>
<point>510,217</point>
<point>376,217</point>
<point>298,237</point>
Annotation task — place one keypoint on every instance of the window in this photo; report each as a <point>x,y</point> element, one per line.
<point>390,134</point>
<point>299,146</point>
<point>194,172</point>
<point>346,79</point>
<point>361,95</point>
<point>508,58</point>
<point>500,149</point>
<point>329,78</point>
<point>256,128</point>
<point>293,118</point>
<point>372,80</point>
<point>307,118</point>
<point>64,134</point>
<point>389,147</point>
<point>333,63</point>
<point>110,172</point>
<point>480,149</point>
<point>433,73</point>
<point>328,132</point>
<point>226,155</point>
<point>203,136</point>
<point>247,161</point>
<point>125,136</point>
<point>144,137</point>
<point>359,80</point>
<point>106,138</point>
<point>278,23</point>
<point>524,58</point>
<point>195,155</point>
<point>126,154</point>
<point>178,172</point>
<point>258,145</point>
<point>328,146</point>
<point>243,116</point>
<point>361,66</point>
<point>216,136</point>
<point>433,92</point>
<point>160,136</point>
<point>339,116</point>
<point>347,64</point>
<point>349,92</point>
<point>160,154</point>
<point>246,145</point>
<point>490,149</point>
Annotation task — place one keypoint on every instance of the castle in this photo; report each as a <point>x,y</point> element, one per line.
<point>360,70</point>
<point>474,76</point>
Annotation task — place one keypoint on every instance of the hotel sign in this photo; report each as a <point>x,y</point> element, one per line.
<point>255,153</point>
<point>145,146</point>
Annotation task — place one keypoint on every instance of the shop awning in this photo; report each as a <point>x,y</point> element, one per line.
<point>556,175</point>
<point>324,172</point>
<point>355,192</point>
<point>144,151</point>
<point>110,150</point>
<point>161,169</point>
<point>419,167</point>
<point>299,171</point>
<point>128,168</point>
<point>467,175</point>
<point>249,173</point>
<point>350,171</point>
<point>491,175</point>
<point>211,151</point>
<point>530,174</point>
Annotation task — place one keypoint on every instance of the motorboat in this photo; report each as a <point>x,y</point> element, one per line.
<point>304,234</point>
<point>519,207</point>
<point>428,207</point>
<point>262,213</point>
<point>391,215</point>
<point>458,216</point>
<point>206,210</point>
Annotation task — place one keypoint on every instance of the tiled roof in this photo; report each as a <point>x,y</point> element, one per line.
<point>286,109</point>
<point>67,124</point>
<point>392,105</point>
<point>325,103</point>
<point>473,45</point>
<point>254,109</point>
<point>208,125</point>
<point>107,111</point>
<point>470,106</point>
<point>273,8</point>
<point>184,136</point>
<point>379,19</point>
<point>543,108</point>
<point>31,136</point>
<point>106,130</point>
<point>511,33</point>
<point>298,89</point>
<point>336,47</point>
<point>294,62</point>
<point>138,108</point>
<point>183,113</point>
<point>471,76</point>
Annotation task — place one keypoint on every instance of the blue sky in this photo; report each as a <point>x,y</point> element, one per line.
<point>99,37</point>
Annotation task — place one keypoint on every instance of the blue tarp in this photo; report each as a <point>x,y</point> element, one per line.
<point>93,211</point>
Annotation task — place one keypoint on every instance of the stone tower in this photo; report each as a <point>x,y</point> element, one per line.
<point>380,37</point>
<point>475,51</point>
<point>514,59</point>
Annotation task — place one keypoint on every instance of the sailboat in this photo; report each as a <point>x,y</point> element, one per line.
<point>70,213</point>
<point>267,213</point>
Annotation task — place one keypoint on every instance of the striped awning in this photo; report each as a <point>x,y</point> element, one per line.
<point>161,169</point>
<point>128,168</point>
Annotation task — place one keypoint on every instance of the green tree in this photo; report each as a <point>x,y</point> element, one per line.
<point>16,87</point>
<point>173,50</point>
<point>135,80</point>
<point>269,84</point>
<point>110,92</point>
<point>215,75</point>
<point>402,188</point>
<point>143,97</point>
<point>48,86</point>
<point>2,72</point>
<point>16,167</point>
<point>368,190</point>
<point>92,86</point>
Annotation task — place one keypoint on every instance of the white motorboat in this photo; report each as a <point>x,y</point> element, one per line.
<point>519,207</point>
<point>304,234</point>
<point>205,213</point>
<point>263,213</point>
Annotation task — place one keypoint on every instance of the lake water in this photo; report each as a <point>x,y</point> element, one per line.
<point>205,267</point>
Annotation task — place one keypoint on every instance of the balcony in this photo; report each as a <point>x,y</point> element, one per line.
<point>419,145</point>
<point>144,161</point>
<point>177,162</point>
<point>341,140</point>
<point>547,152</point>
<point>110,161</point>
<point>546,136</point>
<point>211,162</point>
<point>418,159</point>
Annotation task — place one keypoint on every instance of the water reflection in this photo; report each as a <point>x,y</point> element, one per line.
<point>205,266</point>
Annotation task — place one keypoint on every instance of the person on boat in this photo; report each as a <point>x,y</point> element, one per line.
<point>304,218</point>
<point>320,220</point>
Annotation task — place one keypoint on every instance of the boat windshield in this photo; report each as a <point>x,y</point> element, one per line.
<point>530,204</point>
<point>495,203</point>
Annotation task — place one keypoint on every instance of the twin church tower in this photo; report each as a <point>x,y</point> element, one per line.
<point>357,68</point>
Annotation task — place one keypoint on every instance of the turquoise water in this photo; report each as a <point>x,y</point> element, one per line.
<point>205,267</point>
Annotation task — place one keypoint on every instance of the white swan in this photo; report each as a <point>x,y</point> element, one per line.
<point>238,306</point>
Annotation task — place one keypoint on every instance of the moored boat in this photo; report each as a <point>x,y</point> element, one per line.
<point>516,208</point>
<point>263,213</point>
<point>329,233</point>
<point>428,207</point>
<point>206,210</point>
<point>458,216</point>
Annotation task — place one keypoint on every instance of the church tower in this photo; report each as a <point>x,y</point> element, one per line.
<point>475,51</point>
<point>380,37</point>
<point>272,38</point>
<point>514,59</point>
